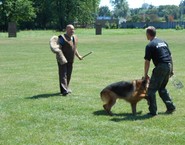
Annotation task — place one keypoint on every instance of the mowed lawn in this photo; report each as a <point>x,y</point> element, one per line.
<point>33,113</point>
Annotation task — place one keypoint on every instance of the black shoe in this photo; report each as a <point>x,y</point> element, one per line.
<point>65,94</point>
<point>151,114</point>
<point>170,111</point>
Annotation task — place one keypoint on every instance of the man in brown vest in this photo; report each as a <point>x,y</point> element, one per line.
<point>68,47</point>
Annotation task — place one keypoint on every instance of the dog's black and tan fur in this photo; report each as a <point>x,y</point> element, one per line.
<point>131,91</point>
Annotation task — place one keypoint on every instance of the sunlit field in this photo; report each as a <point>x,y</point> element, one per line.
<point>32,112</point>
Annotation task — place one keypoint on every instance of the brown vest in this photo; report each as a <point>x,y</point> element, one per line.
<point>68,48</point>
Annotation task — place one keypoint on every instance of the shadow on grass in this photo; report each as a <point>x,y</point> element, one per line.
<point>131,117</point>
<point>123,116</point>
<point>137,117</point>
<point>43,96</point>
<point>100,112</point>
<point>104,113</point>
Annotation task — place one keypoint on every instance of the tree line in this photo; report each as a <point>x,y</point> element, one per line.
<point>56,14</point>
<point>147,12</point>
<point>47,14</point>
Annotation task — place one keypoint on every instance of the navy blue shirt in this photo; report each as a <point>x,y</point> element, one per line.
<point>158,51</point>
<point>62,41</point>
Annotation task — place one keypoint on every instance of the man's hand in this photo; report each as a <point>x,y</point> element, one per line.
<point>146,77</point>
<point>171,74</point>
<point>80,57</point>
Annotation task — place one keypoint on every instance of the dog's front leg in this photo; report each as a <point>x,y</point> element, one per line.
<point>133,105</point>
<point>109,105</point>
<point>107,110</point>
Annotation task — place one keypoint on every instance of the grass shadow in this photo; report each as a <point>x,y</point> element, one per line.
<point>100,112</point>
<point>103,112</point>
<point>137,117</point>
<point>123,116</point>
<point>39,96</point>
<point>130,117</point>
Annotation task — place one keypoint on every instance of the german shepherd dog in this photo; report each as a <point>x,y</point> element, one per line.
<point>131,91</point>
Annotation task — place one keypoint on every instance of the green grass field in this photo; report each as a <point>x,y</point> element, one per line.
<point>33,113</point>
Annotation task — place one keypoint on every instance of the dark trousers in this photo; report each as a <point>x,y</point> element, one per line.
<point>158,82</point>
<point>64,72</point>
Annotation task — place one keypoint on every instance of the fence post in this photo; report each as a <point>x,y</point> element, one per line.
<point>98,29</point>
<point>12,29</point>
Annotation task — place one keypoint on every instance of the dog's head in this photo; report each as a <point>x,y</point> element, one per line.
<point>142,84</point>
<point>142,87</point>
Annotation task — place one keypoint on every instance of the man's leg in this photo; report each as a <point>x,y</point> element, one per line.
<point>155,83</point>
<point>69,72</point>
<point>152,100</point>
<point>163,93</point>
<point>166,99</point>
<point>62,71</point>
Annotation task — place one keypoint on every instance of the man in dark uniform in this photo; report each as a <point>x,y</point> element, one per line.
<point>159,52</point>
<point>68,46</point>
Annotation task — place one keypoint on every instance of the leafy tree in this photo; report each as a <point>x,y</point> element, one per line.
<point>182,4</point>
<point>153,18</point>
<point>134,11</point>
<point>134,18</point>
<point>3,19</point>
<point>104,11</point>
<point>150,13</point>
<point>121,8</point>
<point>168,10</point>
<point>182,9</point>
<point>18,10</point>
<point>152,10</point>
<point>80,11</point>
<point>44,13</point>
<point>145,6</point>
<point>87,11</point>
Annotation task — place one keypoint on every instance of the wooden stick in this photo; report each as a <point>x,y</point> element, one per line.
<point>87,54</point>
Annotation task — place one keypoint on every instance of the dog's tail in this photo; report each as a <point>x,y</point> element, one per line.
<point>105,95</point>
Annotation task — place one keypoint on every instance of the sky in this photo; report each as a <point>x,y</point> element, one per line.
<point>138,3</point>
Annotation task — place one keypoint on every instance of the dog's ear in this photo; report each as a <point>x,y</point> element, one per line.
<point>144,82</point>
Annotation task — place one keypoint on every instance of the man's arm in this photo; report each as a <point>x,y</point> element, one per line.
<point>146,68</point>
<point>172,71</point>
<point>76,51</point>
<point>78,55</point>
